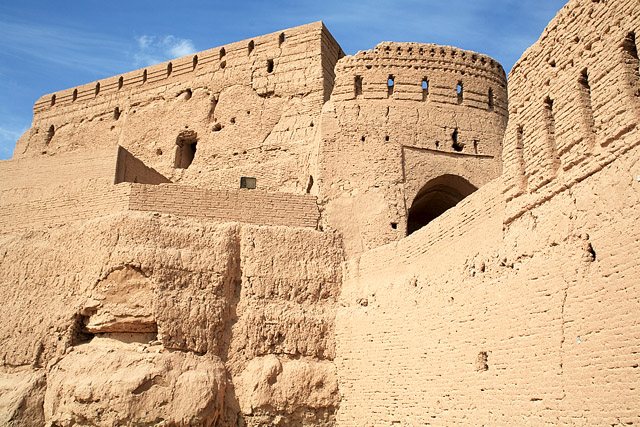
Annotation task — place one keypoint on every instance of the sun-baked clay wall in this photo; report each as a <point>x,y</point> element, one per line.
<point>250,105</point>
<point>517,306</point>
<point>70,187</point>
<point>574,101</point>
<point>400,115</point>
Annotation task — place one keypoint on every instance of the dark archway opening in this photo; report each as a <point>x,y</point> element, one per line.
<point>437,196</point>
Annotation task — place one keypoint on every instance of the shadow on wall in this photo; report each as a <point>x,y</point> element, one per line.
<point>437,196</point>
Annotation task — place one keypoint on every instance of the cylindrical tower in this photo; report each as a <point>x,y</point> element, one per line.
<point>409,131</point>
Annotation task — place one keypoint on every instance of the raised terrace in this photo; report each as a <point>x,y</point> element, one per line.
<point>273,233</point>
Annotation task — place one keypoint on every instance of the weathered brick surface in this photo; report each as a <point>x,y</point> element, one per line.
<point>249,206</point>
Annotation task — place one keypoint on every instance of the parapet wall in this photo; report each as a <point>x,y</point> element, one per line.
<point>243,109</point>
<point>574,102</point>
<point>247,206</point>
<point>399,116</point>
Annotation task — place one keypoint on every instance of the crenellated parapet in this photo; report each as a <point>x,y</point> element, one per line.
<point>574,101</point>
<point>423,72</point>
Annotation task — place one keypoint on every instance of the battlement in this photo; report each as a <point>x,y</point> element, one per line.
<point>423,72</point>
<point>266,55</point>
<point>574,105</point>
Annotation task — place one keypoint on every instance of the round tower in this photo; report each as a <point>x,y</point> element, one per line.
<point>410,130</point>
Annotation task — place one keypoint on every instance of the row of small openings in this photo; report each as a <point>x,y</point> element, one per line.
<point>443,53</point>
<point>281,39</point>
<point>425,89</point>
<point>74,96</point>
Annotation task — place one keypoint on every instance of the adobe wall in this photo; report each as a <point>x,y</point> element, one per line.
<point>248,206</point>
<point>79,186</point>
<point>381,144</point>
<point>517,308</point>
<point>250,105</point>
<point>574,101</point>
<point>244,311</point>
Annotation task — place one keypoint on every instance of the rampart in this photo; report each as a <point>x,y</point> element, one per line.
<point>518,309</point>
<point>243,109</point>
<point>446,273</point>
<point>84,185</point>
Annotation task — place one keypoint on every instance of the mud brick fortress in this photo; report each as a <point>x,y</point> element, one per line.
<point>273,233</point>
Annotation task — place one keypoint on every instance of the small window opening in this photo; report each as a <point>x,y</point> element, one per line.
<point>390,85</point>
<point>357,82</point>
<point>186,149</point>
<point>120,82</point>
<point>282,38</point>
<point>386,138</point>
<point>425,88</point>
<point>222,53</point>
<point>53,100</point>
<point>50,133</point>
<point>490,104</point>
<point>97,88</point>
<point>248,182</point>
<point>169,69</point>
<point>475,146</point>
<point>460,91</point>
<point>195,61</point>
<point>223,64</point>
<point>75,95</point>
<point>394,225</point>
<point>269,65</point>
<point>251,46</point>
<point>455,144</point>
<point>363,139</point>
<point>116,113</point>
<point>144,76</point>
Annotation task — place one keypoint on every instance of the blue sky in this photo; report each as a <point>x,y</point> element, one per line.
<point>46,46</point>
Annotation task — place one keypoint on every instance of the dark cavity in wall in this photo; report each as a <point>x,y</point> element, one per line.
<point>250,47</point>
<point>457,146</point>
<point>357,83</point>
<point>482,361</point>
<point>195,61</point>
<point>460,91</point>
<point>116,113</point>
<point>390,85</point>
<point>120,82</point>
<point>269,65</point>
<point>50,133</point>
<point>186,144</point>
<point>75,95</point>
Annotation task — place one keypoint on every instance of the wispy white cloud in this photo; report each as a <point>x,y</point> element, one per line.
<point>154,49</point>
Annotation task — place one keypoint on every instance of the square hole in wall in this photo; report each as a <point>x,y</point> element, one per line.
<point>247,182</point>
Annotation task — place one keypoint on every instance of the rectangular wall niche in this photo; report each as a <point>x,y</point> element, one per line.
<point>247,182</point>
<point>185,149</point>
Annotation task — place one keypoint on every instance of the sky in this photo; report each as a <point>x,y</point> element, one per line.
<point>47,46</point>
